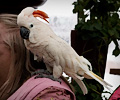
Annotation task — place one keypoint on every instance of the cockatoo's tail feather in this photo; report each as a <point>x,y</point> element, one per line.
<point>99,79</point>
<point>79,81</point>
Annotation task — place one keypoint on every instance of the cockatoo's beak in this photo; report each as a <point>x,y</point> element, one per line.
<point>24,32</point>
<point>41,14</point>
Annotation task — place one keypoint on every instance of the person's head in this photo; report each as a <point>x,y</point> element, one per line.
<point>14,58</point>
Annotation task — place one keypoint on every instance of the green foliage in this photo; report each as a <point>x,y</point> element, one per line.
<point>102,28</point>
<point>93,89</point>
<point>104,20</point>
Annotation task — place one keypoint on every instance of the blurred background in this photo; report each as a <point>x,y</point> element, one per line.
<point>61,18</point>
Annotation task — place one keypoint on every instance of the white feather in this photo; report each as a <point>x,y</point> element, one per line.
<point>56,53</point>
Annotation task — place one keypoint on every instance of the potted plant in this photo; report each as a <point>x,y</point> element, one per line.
<point>92,37</point>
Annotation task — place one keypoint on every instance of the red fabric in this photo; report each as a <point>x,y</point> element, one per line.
<point>116,94</point>
<point>33,87</point>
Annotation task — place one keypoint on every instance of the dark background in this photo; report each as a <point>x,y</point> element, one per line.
<point>15,6</point>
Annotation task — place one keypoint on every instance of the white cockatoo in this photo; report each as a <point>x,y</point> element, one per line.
<point>56,53</point>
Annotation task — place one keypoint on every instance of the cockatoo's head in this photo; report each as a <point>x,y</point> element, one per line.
<point>27,19</point>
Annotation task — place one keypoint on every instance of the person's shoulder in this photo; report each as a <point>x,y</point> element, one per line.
<point>32,87</point>
<point>48,89</point>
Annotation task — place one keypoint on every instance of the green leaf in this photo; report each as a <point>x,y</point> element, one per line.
<point>93,95</point>
<point>113,20</point>
<point>87,26</point>
<point>116,52</point>
<point>74,3</point>
<point>111,32</point>
<point>93,86</point>
<point>97,25</point>
<point>115,16</point>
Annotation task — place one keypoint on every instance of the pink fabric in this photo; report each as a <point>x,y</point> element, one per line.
<point>53,93</point>
<point>116,94</point>
<point>32,87</point>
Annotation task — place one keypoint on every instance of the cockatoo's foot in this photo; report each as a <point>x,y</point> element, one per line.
<point>40,71</point>
<point>45,74</point>
<point>48,76</point>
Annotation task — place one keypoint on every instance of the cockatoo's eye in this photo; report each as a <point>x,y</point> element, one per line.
<point>31,25</point>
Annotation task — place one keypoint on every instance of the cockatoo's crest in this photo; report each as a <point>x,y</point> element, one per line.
<point>28,11</point>
<point>41,14</point>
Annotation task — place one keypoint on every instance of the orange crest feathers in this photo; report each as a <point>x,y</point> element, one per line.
<point>40,14</point>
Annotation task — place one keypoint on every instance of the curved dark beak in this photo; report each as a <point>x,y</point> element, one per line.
<point>24,32</point>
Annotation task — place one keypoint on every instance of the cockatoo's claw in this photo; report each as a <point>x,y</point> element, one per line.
<point>41,71</point>
<point>48,76</point>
